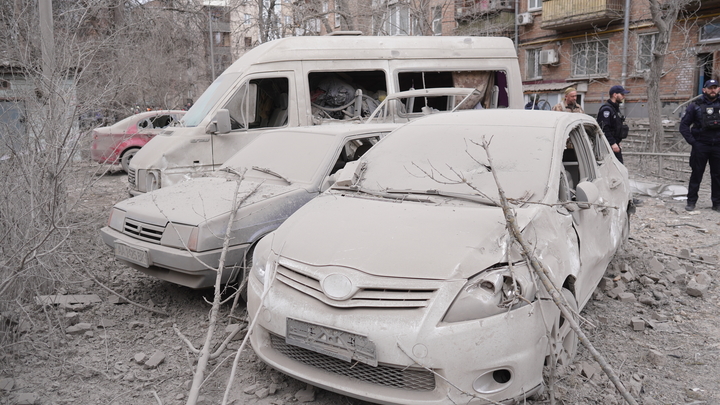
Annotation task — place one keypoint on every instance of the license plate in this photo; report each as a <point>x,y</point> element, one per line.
<point>330,341</point>
<point>132,254</point>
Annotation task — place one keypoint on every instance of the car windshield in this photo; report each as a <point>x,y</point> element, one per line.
<point>208,99</point>
<point>296,156</point>
<point>445,160</point>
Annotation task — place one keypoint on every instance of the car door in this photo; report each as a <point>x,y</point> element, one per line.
<point>593,223</point>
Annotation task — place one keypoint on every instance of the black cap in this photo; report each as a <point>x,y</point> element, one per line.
<point>617,89</point>
<point>710,83</point>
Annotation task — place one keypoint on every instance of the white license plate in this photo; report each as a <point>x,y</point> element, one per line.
<point>132,254</point>
<point>330,341</point>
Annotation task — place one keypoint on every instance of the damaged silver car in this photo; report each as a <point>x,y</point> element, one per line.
<point>401,284</point>
<point>177,233</point>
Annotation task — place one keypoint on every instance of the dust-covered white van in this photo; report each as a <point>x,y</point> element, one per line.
<point>300,81</point>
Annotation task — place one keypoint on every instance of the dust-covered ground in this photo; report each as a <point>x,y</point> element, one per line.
<point>654,318</point>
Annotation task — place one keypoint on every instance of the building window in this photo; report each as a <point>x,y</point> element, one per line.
<point>710,32</point>
<point>532,64</point>
<point>437,20</point>
<point>646,47</point>
<point>534,5</point>
<point>398,21</point>
<point>337,14</point>
<point>590,58</point>
<point>248,42</point>
<point>247,19</point>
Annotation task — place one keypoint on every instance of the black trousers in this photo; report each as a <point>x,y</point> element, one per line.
<point>701,155</point>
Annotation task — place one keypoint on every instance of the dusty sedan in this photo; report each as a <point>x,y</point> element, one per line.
<point>119,142</point>
<point>401,285</point>
<point>176,233</point>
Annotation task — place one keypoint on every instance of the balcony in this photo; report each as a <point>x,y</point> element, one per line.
<point>468,9</point>
<point>501,24</point>
<point>564,15</point>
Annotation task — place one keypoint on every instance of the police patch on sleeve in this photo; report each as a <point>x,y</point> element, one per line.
<point>606,114</point>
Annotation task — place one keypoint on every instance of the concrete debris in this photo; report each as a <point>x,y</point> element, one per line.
<point>703,278</point>
<point>155,360</point>
<point>71,318</point>
<point>115,300</point>
<point>140,358</point>
<point>588,370</point>
<point>78,328</point>
<point>684,253</point>
<point>138,324</point>
<point>273,389</point>
<point>638,324</point>
<point>6,384</point>
<point>695,289</point>
<point>67,299</point>
<point>262,393</point>
<point>89,334</point>
<point>627,297</point>
<point>26,398</point>
<point>606,284</point>
<point>656,358</point>
<point>655,266</point>
<point>180,397</point>
<point>673,264</point>
<point>106,323</point>
<point>680,276</point>
<point>306,395</point>
<point>250,390</point>
<point>232,328</point>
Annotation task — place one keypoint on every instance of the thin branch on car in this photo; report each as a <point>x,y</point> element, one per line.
<point>543,274</point>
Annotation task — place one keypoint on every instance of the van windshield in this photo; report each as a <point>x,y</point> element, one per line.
<point>209,98</point>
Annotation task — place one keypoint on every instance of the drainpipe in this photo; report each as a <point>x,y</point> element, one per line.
<point>516,25</point>
<point>212,55</point>
<point>626,31</point>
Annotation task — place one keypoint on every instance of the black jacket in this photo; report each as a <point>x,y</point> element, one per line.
<point>611,121</point>
<point>701,122</point>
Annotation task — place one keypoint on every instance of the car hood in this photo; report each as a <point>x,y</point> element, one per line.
<point>395,239</point>
<point>198,200</point>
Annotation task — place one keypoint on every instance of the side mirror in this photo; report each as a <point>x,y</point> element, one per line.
<point>587,193</point>
<point>220,124</point>
<point>347,176</point>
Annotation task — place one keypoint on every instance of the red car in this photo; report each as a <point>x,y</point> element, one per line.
<point>119,142</point>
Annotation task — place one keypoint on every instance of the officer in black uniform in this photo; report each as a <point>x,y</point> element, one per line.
<point>704,117</point>
<point>612,122</point>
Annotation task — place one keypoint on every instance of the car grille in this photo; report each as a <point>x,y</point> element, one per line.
<point>143,231</point>
<point>406,378</point>
<point>131,177</point>
<point>365,297</point>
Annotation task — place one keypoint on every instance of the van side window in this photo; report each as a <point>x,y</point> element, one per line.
<point>335,95</point>
<point>491,86</point>
<point>263,103</point>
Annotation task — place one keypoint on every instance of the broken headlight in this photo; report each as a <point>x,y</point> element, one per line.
<point>496,290</point>
<point>261,262</point>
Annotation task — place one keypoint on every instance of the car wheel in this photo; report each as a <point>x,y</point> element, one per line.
<point>564,340</point>
<point>127,157</point>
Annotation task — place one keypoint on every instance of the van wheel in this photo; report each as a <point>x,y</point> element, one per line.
<point>564,340</point>
<point>127,157</point>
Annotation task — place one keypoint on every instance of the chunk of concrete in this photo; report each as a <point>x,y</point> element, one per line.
<point>7,384</point>
<point>155,360</point>
<point>695,289</point>
<point>703,278</point>
<point>140,358</point>
<point>115,300</point>
<point>656,358</point>
<point>250,389</point>
<point>638,324</point>
<point>655,266</point>
<point>306,395</point>
<point>684,253</point>
<point>79,328</point>
<point>627,297</point>
<point>26,398</point>
<point>672,264</point>
<point>262,393</point>
<point>71,318</point>
<point>606,284</point>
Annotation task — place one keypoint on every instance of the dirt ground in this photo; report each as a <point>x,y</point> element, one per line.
<point>663,279</point>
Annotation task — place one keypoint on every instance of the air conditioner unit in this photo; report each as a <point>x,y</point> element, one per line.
<point>524,19</point>
<point>548,57</point>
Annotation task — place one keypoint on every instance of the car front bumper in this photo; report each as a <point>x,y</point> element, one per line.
<point>179,266</point>
<point>458,357</point>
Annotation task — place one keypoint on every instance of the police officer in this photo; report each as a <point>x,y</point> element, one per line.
<point>612,122</point>
<point>704,117</point>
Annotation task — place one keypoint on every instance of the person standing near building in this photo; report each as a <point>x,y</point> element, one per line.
<point>569,104</point>
<point>700,126</point>
<point>612,122</point>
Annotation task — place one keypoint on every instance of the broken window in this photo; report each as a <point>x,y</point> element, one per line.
<point>491,86</point>
<point>577,160</point>
<point>335,95</point>
<point>261,103</point>
<point>600,148</point>
<point>353,150</point>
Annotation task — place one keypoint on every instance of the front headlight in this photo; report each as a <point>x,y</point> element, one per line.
<point>180,236</point>
<point>262,263</point>
<point>148,180</point>
<point>117,219</point>
<point>496,290</point>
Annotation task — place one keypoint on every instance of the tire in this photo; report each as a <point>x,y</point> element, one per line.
<point>564,340</point>
<point>127,157</point>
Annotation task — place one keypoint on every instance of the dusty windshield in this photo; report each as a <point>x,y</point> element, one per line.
<point>207,101</point>
<point>296,156</point>
<point>444,160</point>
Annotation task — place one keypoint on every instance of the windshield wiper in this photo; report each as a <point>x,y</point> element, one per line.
<point>381,194</point>
<point>474,198</point>
<point>270,172</point>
